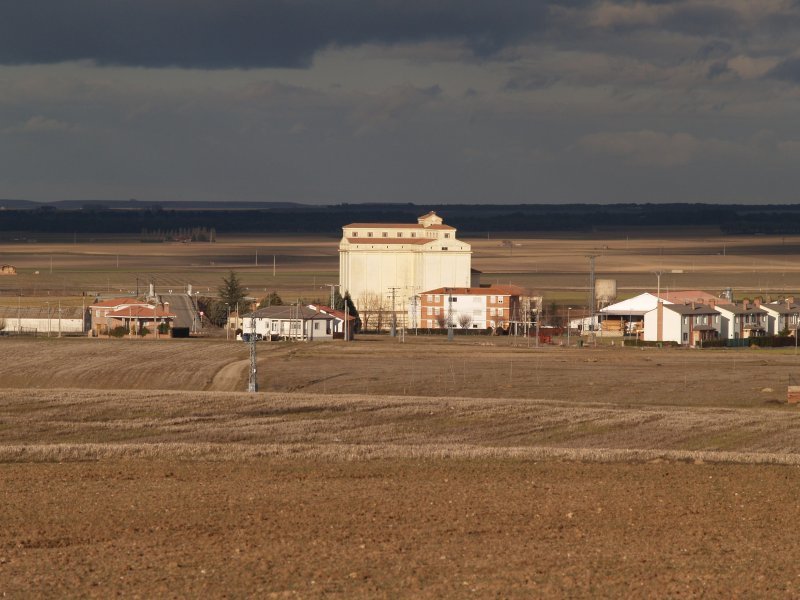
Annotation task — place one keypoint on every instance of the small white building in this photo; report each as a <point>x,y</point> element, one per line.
<point>687,324</point>
<point>43,321</point>
<point>290,323</point>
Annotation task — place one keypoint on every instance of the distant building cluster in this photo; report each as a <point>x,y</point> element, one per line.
<point>693,317</point>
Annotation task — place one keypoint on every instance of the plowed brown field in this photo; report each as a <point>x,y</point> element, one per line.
<point>379,469</point>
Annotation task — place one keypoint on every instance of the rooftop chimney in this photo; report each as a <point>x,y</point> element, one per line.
<point>757,302</point>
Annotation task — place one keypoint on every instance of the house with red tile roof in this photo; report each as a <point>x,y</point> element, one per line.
<point>131,313</point>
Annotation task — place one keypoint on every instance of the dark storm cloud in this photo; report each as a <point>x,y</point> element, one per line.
<point>247,33</point>
<point>788,70</point>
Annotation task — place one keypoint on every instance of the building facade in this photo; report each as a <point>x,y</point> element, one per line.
<point>468,308</point>
<point>384,266</point>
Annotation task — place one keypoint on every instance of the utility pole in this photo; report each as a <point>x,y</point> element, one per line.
<point>252,384</point>
<point>273,265</point>
<point>394,312</point>
<point>591,258</point>
<point>333,286</point>
<point>59,318</point>
<point>449,314</point>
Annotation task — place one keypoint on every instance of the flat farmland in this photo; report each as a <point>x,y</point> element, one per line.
<point>554,266</point>
<point>485,467</point>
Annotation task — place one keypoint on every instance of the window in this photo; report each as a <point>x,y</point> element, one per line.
<point>685,337</point>
<point>492,312</point>
<point>430,310</point>
<point>493,299</point>
<point>444,248</point>
<point>369,234</point>
<point>436,298</point>
<point>499,299</point>
<point>385,234</point>
<point>399,234</point>
<point>430,324</point>
<point>275,326</point>
<point>454,299</point>
<point>430,297</point>
<point>355,234</point>
<point>447,235</point>
<point>413,234</point>
<point>316,325</point>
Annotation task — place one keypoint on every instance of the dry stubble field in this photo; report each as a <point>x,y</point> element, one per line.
<point>483,468</point>
<point>495,471</point>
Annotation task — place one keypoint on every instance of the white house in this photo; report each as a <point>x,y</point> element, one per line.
<point>290,323</point>
<point>628,315</point>
<point>688,324</point>
<point>384,265</point>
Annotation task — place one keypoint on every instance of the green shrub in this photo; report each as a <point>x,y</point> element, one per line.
<point>144,331</point>
<point>163,328</point>
<point>119,331</point>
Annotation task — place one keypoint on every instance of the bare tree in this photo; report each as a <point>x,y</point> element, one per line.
<point>441,321</point>
<point>464,320</point>
<point>370,308</point>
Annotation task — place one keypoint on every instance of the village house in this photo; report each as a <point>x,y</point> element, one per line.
<point>743,320</point>
<point>339,320</point>
<point>782,316</point>
<point>290,323</point>
<point>494,307</point>
<point>627,317</point>
<point>689,324</point>
<point>131,313</point>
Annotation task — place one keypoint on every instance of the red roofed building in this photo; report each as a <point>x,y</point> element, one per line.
<point>492,307</point>
<point>130,313</point>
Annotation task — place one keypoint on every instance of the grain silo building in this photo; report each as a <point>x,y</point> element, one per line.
<point>377,260</point>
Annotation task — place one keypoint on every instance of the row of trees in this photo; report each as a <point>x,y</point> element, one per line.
<point>182,234</point>
<point>231,294</point>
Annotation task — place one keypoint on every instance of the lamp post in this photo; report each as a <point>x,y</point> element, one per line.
<point>569,325</point>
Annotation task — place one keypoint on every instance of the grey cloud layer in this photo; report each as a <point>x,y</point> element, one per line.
<point>288,33</point>
<point>392,100</point>
<point>246,33</point>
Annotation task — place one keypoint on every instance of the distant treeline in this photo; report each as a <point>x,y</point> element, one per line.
<point>730,219</point>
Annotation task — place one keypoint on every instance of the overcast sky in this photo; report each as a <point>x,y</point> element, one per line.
<point>328,101</point>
